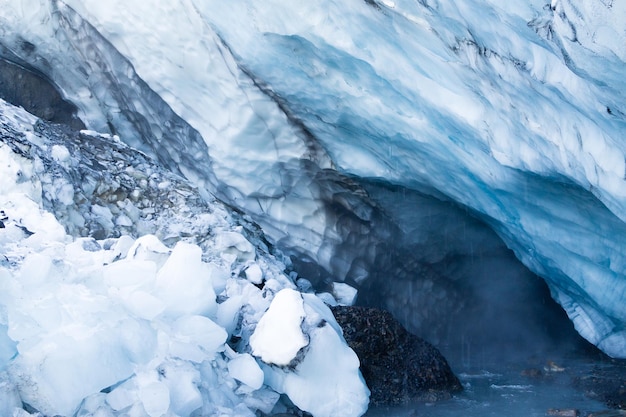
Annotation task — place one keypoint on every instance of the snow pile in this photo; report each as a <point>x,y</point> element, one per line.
<point>278,336</point>
<point>131,326</point>
<point>141,328</point>
<point>303,350</point>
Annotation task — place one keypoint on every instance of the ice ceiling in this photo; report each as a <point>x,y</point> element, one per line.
<point>375,140</point>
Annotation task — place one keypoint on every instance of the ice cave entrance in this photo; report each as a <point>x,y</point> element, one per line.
<point>448,277</point>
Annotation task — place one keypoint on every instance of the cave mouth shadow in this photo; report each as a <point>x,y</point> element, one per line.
<point>33,91</point>
<point>450,279</point>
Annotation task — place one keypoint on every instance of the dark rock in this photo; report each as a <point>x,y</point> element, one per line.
<point>36,94</point>
<point>606,382</point>
<point>398,366</point>
<point>608,413</point>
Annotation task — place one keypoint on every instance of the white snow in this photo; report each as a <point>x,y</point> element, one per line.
<point>9,397</point>
<point>344,293</point>
<point>181,279</point>
<point>323,375</point>
<point>155,398</point>
<point>127,326</point>
<point>244,368</point>
<point>195,338</point>
<point>60,153</point>
<point>7,345</point>
<point>326,382</point>
<point>254,274</point>
<point>278,336</point>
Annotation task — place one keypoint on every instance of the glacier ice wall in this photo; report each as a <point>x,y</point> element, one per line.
<point>513,111</point>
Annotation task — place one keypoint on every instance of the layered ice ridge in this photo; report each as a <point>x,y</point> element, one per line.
<point>197,113</point>
<point>513,110</point>
<point>492,105</point>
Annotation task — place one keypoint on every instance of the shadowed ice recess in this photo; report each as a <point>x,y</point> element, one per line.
<point>460,163</point>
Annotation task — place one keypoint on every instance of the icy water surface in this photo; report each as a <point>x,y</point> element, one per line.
<point>506,392</point>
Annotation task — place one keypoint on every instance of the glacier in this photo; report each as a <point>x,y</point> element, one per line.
<point>385,144</point>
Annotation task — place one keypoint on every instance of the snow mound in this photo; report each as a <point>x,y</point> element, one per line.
<point>126,324</point>
<point>305,356</point>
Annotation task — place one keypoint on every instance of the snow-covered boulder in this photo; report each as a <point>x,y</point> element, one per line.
<point>306,357</point>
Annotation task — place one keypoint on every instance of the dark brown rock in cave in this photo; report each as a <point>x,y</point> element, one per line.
<point>398,366</point>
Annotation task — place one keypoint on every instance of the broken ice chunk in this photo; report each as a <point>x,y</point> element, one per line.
<point>278,336</point>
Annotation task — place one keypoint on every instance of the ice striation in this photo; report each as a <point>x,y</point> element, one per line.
<point>385,144</point>
<point>504,109</point>
<point>512,111</point>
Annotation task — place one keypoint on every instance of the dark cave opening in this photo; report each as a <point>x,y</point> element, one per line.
<point>449,278</point>
<point>442,271</point>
